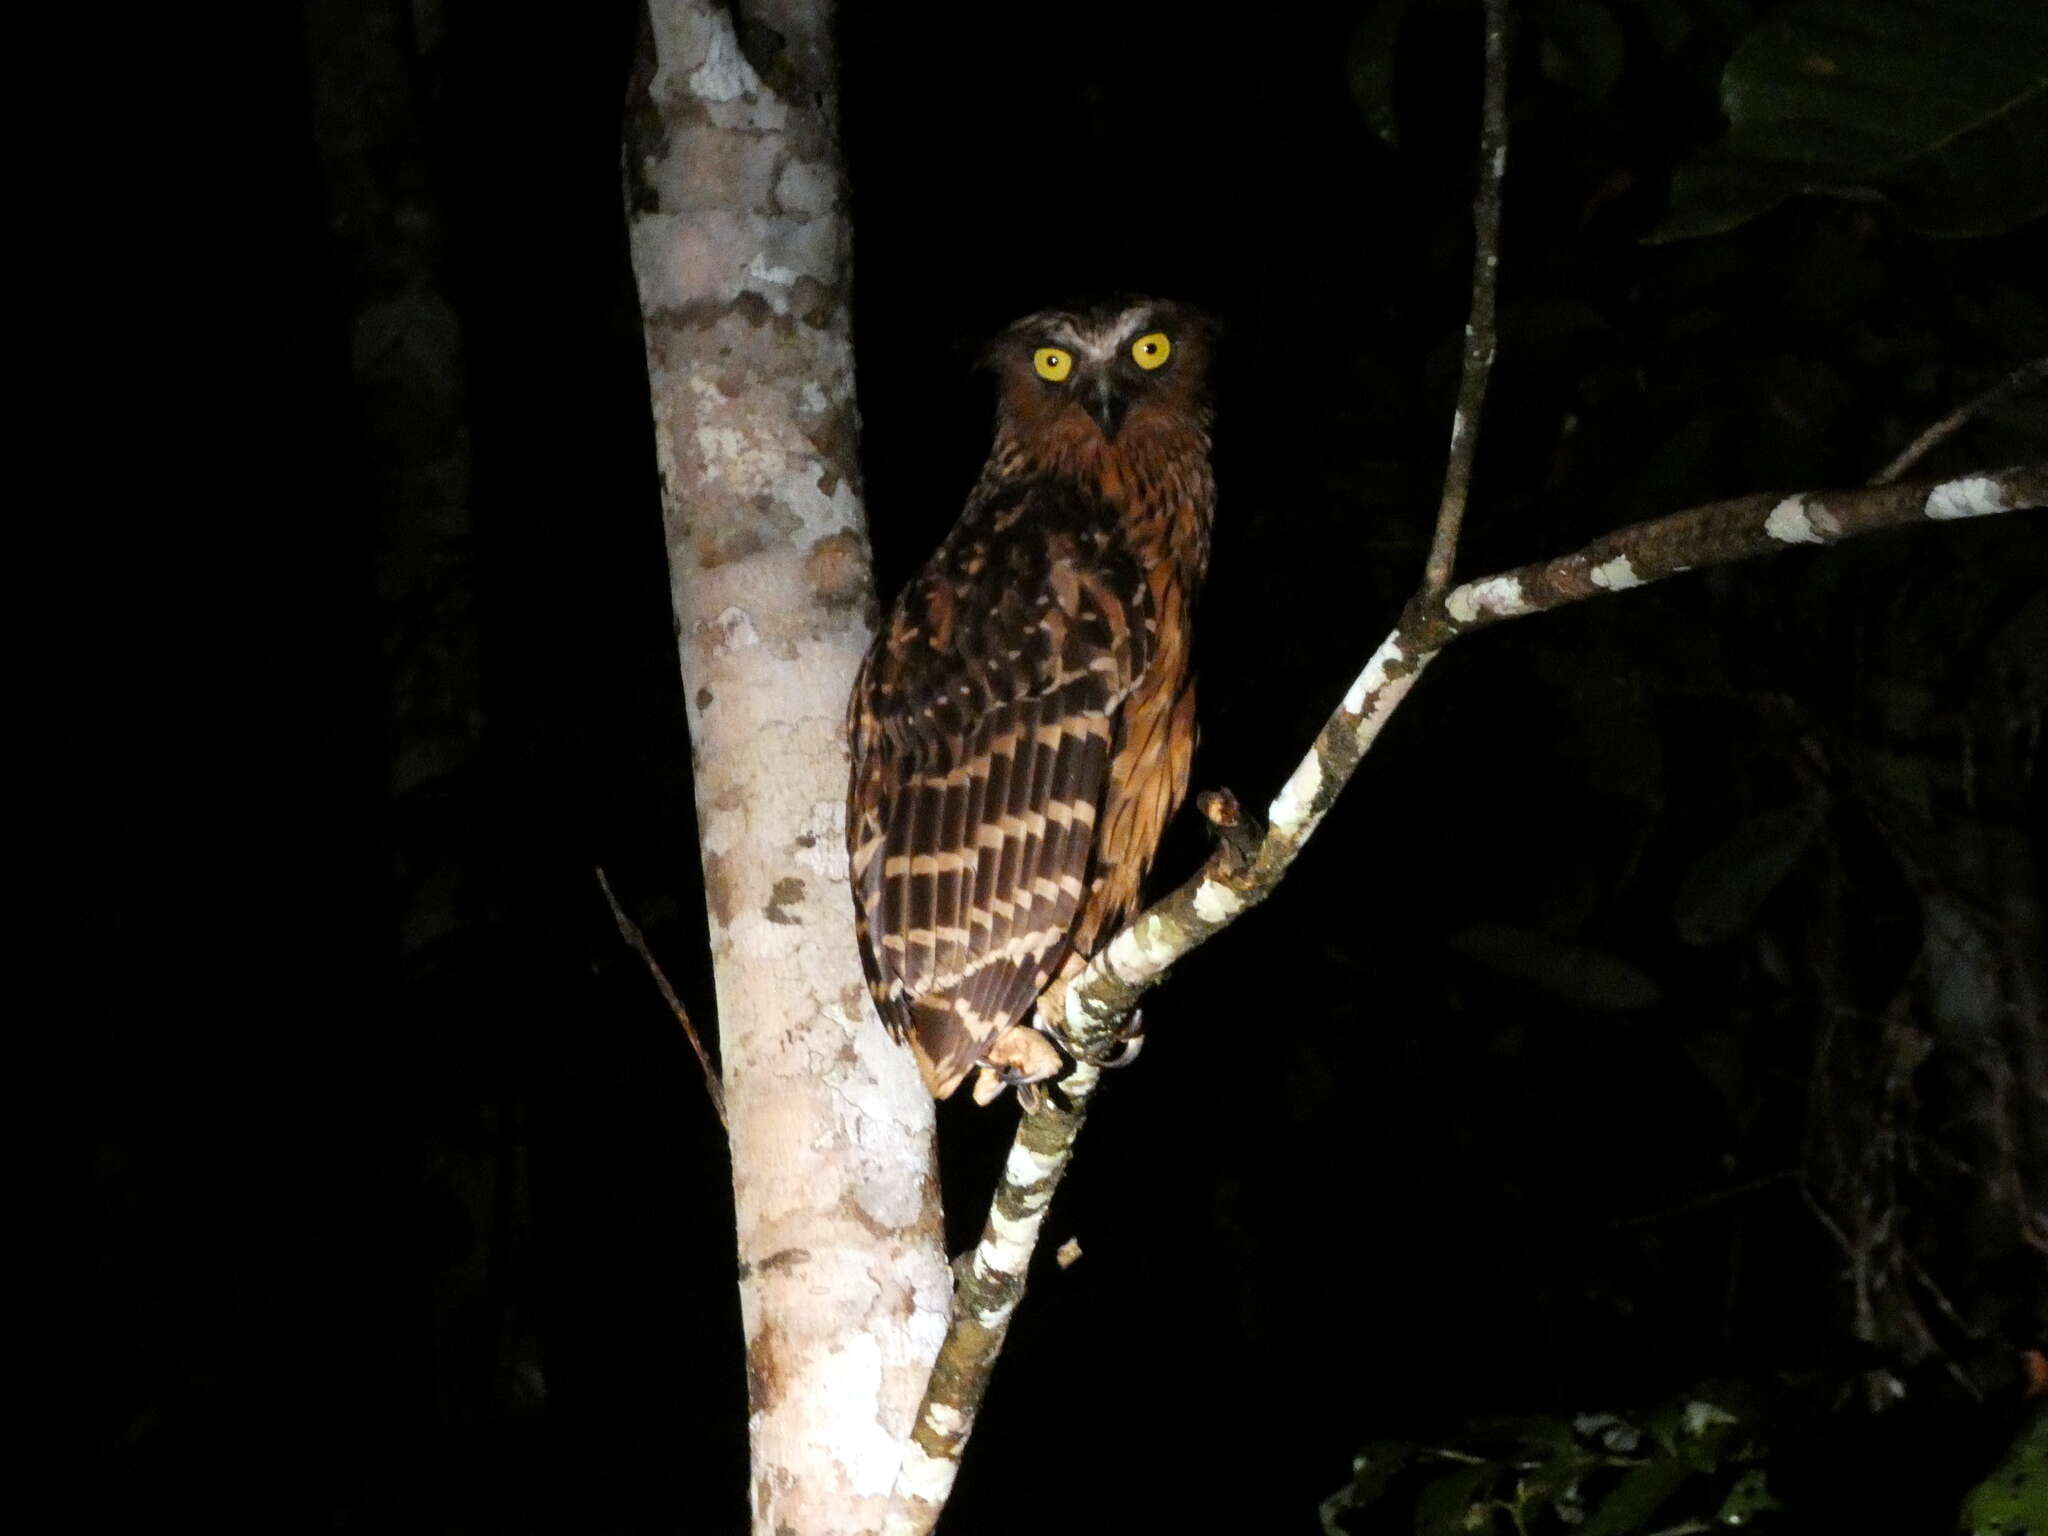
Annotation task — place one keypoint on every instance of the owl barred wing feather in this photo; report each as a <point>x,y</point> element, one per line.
<point>982,726</point>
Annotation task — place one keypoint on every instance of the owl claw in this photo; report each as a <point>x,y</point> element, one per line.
<point>994,1080</point>
<point>1123,1050</point>
<point>1128,1045</point>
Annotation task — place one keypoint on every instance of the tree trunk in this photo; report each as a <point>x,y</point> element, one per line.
<point>739,235</point>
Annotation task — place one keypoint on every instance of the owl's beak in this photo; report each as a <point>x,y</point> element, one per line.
<point>1107,405</point>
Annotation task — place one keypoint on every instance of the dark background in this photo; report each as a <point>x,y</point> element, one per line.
<point>1650,930</point>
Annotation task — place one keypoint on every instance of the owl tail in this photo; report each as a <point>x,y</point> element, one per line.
<point>945,1048</point>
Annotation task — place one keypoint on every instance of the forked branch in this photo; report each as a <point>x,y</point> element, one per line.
<point>2025,377</point>
<point>991,1279</point>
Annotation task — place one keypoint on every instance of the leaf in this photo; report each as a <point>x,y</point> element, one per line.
<point>1638,1496</point>
<point>2014,1498</point>
<point>1373,1468</point>
<point>1456,1502</point>
<point>1938,107</point>
<point>1589,977</point>
<point>1579,45</point>
<point>1750,1497</point>
<point>1552,1437</point>
<point>1369,66</point>
<point>1726,887</point>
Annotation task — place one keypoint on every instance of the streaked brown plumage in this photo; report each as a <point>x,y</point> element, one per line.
<point>1023,724</point>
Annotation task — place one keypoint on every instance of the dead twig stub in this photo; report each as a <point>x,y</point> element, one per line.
<point>630,932</point>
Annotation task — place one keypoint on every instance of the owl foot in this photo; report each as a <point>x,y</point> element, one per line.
<point>1238,832</point>
<point>1017,1057</point>
<point>990,1081</point>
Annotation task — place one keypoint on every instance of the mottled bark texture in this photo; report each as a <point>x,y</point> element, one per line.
<point>739,236</point>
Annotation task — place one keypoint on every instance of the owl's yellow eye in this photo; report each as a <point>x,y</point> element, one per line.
<point>1052,364</point>
<point>1148,352</point>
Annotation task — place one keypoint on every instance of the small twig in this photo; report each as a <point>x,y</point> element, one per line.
<point>2026,376</point>
<point>1858,1255</point>
<point>1707,1201</point>
<point>1479,328</point>
<point>630,932</point>
<point>1942,1304</point>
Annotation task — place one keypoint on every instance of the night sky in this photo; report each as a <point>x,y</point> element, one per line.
<point>1637,925</point>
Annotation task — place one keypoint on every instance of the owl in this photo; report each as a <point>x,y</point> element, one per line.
<point>1022,726</point>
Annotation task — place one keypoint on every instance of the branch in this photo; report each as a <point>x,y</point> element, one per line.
<point>990,1283</point>
<point>630,932</point>
<point>1479,329</point>
<point>2026,376</point>
<point>1719,533</point>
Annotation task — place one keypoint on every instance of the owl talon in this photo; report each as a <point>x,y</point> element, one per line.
<point>993,1080</point>
<point>1128,1045</point>
<point>1123,1050</point>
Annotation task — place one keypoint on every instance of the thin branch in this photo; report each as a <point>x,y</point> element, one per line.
<point>2027,376</point>
<point>1706,1202</point>
<point>1479,329</point>
<point>990,1283</point>
<point>630,932</point>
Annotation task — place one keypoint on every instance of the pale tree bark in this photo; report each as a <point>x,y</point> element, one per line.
<point>739,236</point>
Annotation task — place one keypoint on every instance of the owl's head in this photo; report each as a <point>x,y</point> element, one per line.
<point>1131,368</point>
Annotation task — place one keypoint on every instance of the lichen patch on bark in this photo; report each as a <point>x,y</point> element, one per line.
<point>838,570</point>
<point>788,891</point>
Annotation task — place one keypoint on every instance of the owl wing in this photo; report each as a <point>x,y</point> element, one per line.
<point>982,727</point>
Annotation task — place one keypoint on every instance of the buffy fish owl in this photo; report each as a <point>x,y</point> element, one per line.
<point>1022,726</point>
